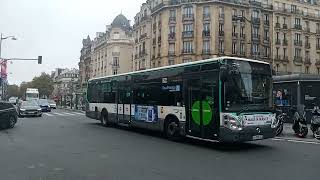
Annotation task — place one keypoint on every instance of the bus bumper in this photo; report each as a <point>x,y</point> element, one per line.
<point>246,134</point>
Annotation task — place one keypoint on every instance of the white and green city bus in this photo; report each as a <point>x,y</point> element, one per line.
<point>223,99</point>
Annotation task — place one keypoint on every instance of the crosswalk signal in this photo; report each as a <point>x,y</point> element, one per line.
<point>39,59</point>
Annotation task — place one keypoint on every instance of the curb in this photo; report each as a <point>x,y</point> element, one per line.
<point>74,110</point>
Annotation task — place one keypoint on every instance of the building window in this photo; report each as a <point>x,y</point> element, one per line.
<point>297,21</point>
<point>188,11</point>
<point>115,72</point>
<point>284,20</point>
<point>171,61</point>
<point>293,8</point>
<point>241,48</point>
<point>256,31</point>
<point>172,29</point>
<point>171,48</point>
<point>297,52</point>
<point>206,46</point>
<point>284,53</point>
<point>277,67</point>
<point>318,42</point>
<point>172,13</point>
<point>277,17</point>
<point>221,11</point>
<point>297,37</point>
<point>255,14</point>
<point>318,27</point>
<point>284,36</point>
<point>242,13</point>
<point>255,49</point>
<point>187,47</point>
<point>266,17</point>
<point>234,47</point>
<point>234,29</point>
<point>266,34</point>
<point>188,27</point>
<point>221,27</point>
<point>234,13</point>
<point>221,46</point>
<point>241,31</point>
<point>277,36</point>
<point>143,64</point>
<point>318,70</point>
<point>206,11</point>
<point>206,27</point>
<point>277,52</point>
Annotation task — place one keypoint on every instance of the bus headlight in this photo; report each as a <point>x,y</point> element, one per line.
<point>232,123</point>
<point>275,121</point>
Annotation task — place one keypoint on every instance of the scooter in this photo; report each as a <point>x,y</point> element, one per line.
<point>299,126</point>
<point>315,122</point>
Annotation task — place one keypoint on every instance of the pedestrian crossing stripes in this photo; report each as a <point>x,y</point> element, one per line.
<point>51,114</point>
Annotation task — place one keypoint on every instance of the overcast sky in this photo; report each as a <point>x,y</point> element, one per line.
<point>54,29</point>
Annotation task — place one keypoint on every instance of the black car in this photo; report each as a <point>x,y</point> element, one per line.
<point>45,105</point>
<point>29,108</point>
<point>8,115</point>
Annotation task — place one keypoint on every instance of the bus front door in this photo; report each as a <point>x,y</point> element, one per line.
<point>202,105</point>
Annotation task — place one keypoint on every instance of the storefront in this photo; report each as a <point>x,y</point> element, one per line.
<point>297,89</point>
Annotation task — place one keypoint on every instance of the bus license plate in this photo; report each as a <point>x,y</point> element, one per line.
<point>257,137</point>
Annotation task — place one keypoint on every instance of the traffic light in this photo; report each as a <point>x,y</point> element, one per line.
<point>39,59</point>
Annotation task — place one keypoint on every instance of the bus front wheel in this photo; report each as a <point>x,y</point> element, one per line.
<point>172,130</point>
<point>104,119</point>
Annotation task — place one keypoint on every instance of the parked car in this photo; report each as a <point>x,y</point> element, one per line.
<point>29,108</point>
<point>44,104</point>
<point>53,104</point>
<point>8,115</point>
<point>13,100</point>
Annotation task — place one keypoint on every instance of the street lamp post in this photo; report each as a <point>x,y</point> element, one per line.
<point>3,82</point>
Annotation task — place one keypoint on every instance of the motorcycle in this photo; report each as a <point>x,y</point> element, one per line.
<point>281,118</point>
<point>299,126</point>
<point>315,123</point>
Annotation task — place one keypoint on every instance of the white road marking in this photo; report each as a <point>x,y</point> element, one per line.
<point>78,113</point>
<point>296,141</point>
<point>59,114</point>
<point>47,114</point>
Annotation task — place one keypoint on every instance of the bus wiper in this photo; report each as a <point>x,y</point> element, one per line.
<point>243,109</point>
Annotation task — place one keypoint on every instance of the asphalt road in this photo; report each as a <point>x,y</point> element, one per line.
<point>69,146</point>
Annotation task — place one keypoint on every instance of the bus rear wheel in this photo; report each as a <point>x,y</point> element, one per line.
<point>172,130</point>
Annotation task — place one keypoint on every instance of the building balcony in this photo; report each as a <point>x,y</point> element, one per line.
<point>187,51</point>
<point>206,33</point>
<point>221,17</point>
<point>285,42</point>
<point>307,45</point>
<point>266,23</point>
<point>242,36</point>
<point>206,51</point>
<point>298,43</point>
<point>255,37</point>
<point>234,35</point>
<point>171,53</point>
<point>297,59</point>
<point>206,17</point>
<point>284,26</point>
<point>172,19</point>
<point>234,18</point>
<point>285,59</point>
<point>187,34</point>
<point>307,61</point>
<point>277,26</point>
<point>171,36</point>
<point>115,66</point>
<point>221,33</point>
<point>255,3</point>
<point>188,17</point>
<point>297,27</point>
<point>278,42</point>
<point>143,36</point>
<point>255,21</point>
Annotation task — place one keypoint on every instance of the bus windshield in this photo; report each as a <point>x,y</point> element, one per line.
<point>248,88</point>
<point>32,95</point>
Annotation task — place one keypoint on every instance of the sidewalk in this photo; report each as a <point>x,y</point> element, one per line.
<point>69,109</point>
<point>289,134</point>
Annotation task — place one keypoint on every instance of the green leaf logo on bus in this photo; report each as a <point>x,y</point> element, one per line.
<point>206,113</point>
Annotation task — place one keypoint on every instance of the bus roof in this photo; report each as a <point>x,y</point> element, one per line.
<point>181,65</point>
<point>296,78</point>
<point>32,90</point>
